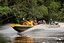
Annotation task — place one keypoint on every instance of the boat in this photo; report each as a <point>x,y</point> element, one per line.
<point>19,27</point>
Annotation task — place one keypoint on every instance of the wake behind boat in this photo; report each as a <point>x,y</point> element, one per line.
<point>47,32</point>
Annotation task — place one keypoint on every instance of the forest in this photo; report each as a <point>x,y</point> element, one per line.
<point>16,10</point>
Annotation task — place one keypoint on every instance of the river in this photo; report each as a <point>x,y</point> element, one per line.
<point>40,33</point>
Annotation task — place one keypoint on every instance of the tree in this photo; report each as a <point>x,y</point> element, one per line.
<point>29,9</point>
<point>53,10</point>
<point>40,11</point>
<point>4,10</point>
<point>54,6</point>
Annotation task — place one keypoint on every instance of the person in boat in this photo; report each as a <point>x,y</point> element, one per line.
<point>28,23</point>
<point>44,22</point>
<point>40,22</point>
<point>35,22</point>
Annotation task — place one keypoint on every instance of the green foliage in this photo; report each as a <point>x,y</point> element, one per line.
<point>40,11</point>
<point>4,9</point>
<point>29,9</point>
<point>54,6</point>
